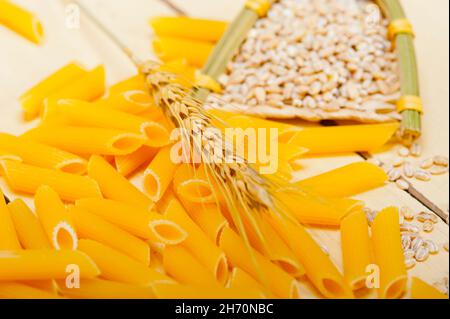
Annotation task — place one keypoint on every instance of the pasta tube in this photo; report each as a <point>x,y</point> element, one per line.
<point>7,156</point>
<point>8,236</point>
<point>136,82</point>
<point>91,226</point>
<point>388,254</point>
<point>42,155</point>
<point>189,28</point>
<point>119,267</point>
<point>352,179</point>
<point>55,220</point>
<point>21,21</point>
<point>171,48</point>
<point>344,139</point>
<point>88,87</point>
<point>241,280</point>
<point>192,272</point>
<point>32,100</point>
<point>128,164</point>
<point>422,290</point>
<point>46,264</point>
<point>356,248</point>
<point>114,186</point>
<point>132,102</point>
<point>105,289</point>
<point>318,266</point>
<point>137,221</point>
<point>165,291</point>
<point>199,245</point>
<point>79,113</point>
<point>159,174</point>
<point>29,230</point>
<point>27,179</point>
<point>277,281</point>
<point>87,140</point>
<point>15,290</point>
<point>191,184</point>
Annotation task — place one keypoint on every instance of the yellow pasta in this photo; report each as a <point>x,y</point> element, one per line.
<point>29,230</point>
<point>55,219</point>
<point>344,139</point>
<point>91,226</point>
<point>15,265</point>
<point>198,243</point>
<point>191,184</point>
<point>8,156</point>
<point>171,48</point>
<point>239,279</point>
<point>356,248</point>
<point>388,254</point>
<point>87,140</point>
<point>136,220</point>
<point>159,174</point>
<point>136,82</point>
<point>318,266</point>
<point>42,155</point>
<point>166,291</point>
<point>277,281</point>
<point>27,179</point>
<point>181,265</point>
<point>133,102</point>
<point>119,267</point>
<point>105,289</point>
<point>8,236</point>
<point>114,186</point>
<point>15,290</point>
<point>88,87</point>
<point>422,290</point>
<point>345,181</point>
<point>189,28</point>
<point>79,113</point>
<point>21,21</point>
<point>31,101</point>
<point>128,164</point>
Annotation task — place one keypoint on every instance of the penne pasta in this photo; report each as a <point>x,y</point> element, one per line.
<point>27,179</point>
<point>189,28</point>
<point>91,226</point>
<point>119,267</point>
<point>172,48</point>
<point>79,113</point>
<point>128,164</point>
<point>344,139</point>
<point>159,174</point>
<point>105,289</point>
<point>8,156</point>
<point>41,155</point>
<point>239,279</point>
<point>318,266</point>
<point>352,179</point>
<point>29,230</point>
<point>132,102</point>
<point>114,186</point>
<point>136,220</point>
<point>198,244</point>
<point>422,290</point>
<point>135,82</point>
<point>87,140</point>
<point>276,280</point>
<point>191,184</point>
<point>8,236</point>
<point>88,87</point>
<point>15,290</point>
<point>55,220</point>
<point>32,100</point>
<point>181,265</point>
<point>21,21</point>
<point>388,254</point>
<point>47,264</point>
<point>165,291</point>
<point>356,249</point>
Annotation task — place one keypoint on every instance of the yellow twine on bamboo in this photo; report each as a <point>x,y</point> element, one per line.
<point>410,102</point>
<point>261,7</point>
<point>207,82</point>
<point>400,26</point>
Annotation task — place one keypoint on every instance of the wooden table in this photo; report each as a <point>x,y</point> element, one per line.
<point>23,64</point>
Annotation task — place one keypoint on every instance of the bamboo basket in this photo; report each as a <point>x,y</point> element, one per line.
<point>402,39</point>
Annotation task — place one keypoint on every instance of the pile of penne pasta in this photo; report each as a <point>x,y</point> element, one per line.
<point>169,237</point>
